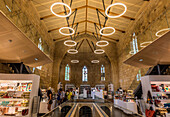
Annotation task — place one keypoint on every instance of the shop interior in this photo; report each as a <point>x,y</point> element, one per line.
<point>94,58</point>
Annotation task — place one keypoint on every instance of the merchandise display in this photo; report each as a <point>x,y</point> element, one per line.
<point>125,101</point>
<point>156,90</point>
<point>14,97</point>
<point>16,94</point>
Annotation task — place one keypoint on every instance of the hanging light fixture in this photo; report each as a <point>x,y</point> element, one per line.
<point>144,44</point>
<point>99,51</point>
<point>72,51</point>
<point>74,61</point>
<point>108,33</point>
<point>70,41</point>
<point>67,28</point>
<point>60,3</point>
<point>95,61</point>
<point>121,4</point>
<point>165,29</point>
<point>102,45</point>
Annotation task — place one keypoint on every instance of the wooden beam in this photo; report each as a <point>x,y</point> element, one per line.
<point>111,13</point>
<point>86,16</point>
<point>105,26</point>
<point>83,22</point>
<point>48,16</point>
<point>115,40</point>
<point>89,45</point>
<point>87,6</point>
<point>66,26</point>
<point>80,44</point>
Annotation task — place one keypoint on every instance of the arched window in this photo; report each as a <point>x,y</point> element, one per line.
<point>84,73</point>
<point>67,73</point>
<point>102,73</point>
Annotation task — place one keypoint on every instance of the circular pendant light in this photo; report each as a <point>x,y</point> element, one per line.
<point>95,61</point>
<point>108,33</point>
<point>72,51</point>
<point>165,29</point>
<point>60,3</point>
<point>74,61</point>
<point>70,41</point>
<point>144,44</point>
<point>102,45</point>
<point>99,51</point>
<point>66,33</point>
<point>121,4</point>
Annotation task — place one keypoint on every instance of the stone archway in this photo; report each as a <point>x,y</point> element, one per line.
<point>85,111</point>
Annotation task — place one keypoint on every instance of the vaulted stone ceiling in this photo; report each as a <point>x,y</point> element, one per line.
<point>86,17</point>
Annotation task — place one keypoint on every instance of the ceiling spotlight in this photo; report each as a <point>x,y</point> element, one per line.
<point>74,61</point>
<point>101,31</point>
<point>102,45</point>
<point>70,41</point>
<point>72,51</point>
<point>121,4</point>
<point>60,3</point>
<point>99,51</point>
<point>144,44</point>
<point>72,31</point>
<point>140,60</point>
<point>36,59</point>
<point>95,61</point>
<point>165,29</point>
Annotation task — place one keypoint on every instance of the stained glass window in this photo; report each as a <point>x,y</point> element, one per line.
<point>84,73</point>
<point>102,73</point>
<point>67,73</point>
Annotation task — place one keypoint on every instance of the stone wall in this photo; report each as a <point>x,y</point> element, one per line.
<point>23,14</point>
<point>94,69</point>
<point>153,18</point>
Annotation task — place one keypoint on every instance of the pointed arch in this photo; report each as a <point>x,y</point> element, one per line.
<point>67,73</point>
<point>84,74</point>
<point>102,73</point>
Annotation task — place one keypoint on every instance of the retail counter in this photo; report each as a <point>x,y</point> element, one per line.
<point>125,105</point>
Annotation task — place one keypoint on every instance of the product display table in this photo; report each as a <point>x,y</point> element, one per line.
<point>131,106</point>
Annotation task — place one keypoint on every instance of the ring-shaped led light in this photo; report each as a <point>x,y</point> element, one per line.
<point>102,45</point>
<point>108,33</point>
<point>72,51</point>
<point>60,3</point>
<point>144,44</point>
<point>66,28</point>
<point>95,61</point>
<point>121,4</point>
<point>99,51</point>
<point>74,61</point>
<point>165,29</point>
<point>70,41</point>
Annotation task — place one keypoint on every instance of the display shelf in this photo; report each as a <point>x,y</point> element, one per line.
<point>13,99</point>
<point>21,99</point>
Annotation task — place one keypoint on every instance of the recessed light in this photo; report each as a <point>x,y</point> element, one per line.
<point>74,61</point>
<point>140,60</point>
<point>162,30</point>
<point>36,59</point>
<point>10,40</point>
<point>72,51</point>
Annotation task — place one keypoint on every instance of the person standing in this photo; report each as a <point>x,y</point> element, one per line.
<point>105,93</point>
<point>50,101</point>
